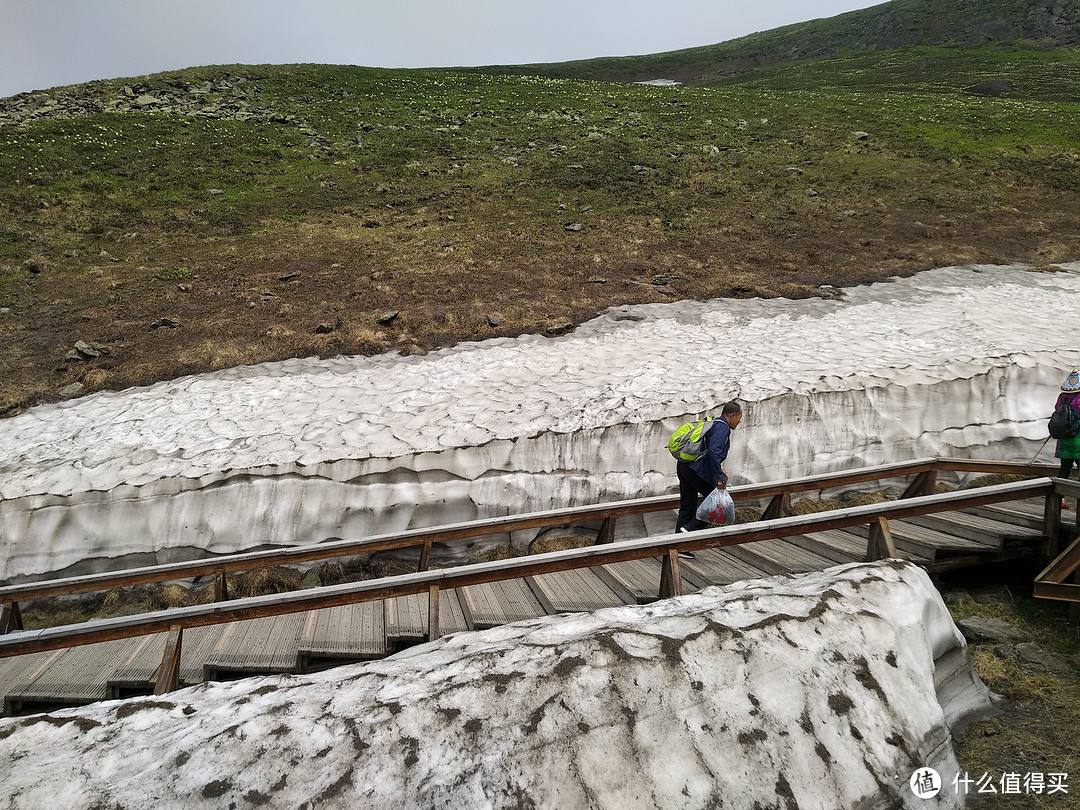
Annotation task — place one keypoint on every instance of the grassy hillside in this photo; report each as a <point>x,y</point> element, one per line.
<point>218,216</point>
<point>963,24</point>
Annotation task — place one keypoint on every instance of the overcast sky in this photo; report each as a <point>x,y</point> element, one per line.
<point>45,43</point>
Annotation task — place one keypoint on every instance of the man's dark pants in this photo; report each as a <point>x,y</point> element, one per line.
<point>690,486</point>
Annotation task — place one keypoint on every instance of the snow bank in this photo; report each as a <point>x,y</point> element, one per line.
<point>959,361</point>
<point>826,690</point>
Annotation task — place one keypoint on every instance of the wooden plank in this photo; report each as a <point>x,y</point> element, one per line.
<point>74,677</point>
<point>780,557</point>
<point>974,528</point>
<point>913,539</point>
<point>718,566</point>
<point>257,646</point>
<point>491,604</point>
<point>639,578</point>
<point>136,674</point>
<point>837,545</point>
<point>671,583</point>
<point>1028,514</point>
<point>168,674</point>
<point>10,617</point>
<point>406,617</point>
<point>576,591</point>
<point>343,633</point>
<point>19,670</point>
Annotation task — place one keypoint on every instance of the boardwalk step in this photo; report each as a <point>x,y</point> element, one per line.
<point>580,590</point>
<point>974,528</point>
<point>342,633</point>
<point>920,542</point>
<point>780,557</point>
<point>491,604</point>
<point>406,617</point>
<point>70,677</point>
<point>256,646</point>
<point>718,566</point>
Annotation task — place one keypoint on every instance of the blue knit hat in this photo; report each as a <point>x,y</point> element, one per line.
<point>1072,382</point>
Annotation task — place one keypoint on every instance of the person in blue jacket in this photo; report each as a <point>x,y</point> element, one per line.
<point>701,476</point>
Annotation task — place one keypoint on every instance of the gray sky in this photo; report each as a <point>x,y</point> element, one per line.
<point>45,43</point>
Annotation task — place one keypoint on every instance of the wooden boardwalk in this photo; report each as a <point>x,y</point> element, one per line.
<point>317,639</point>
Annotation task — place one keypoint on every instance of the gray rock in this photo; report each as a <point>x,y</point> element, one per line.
<point>90,350</point>
<point>1035,656</point>
<point>387,317</point>
<point>860,135</point>
<point>573,226</point>
<point>323,329</point>
<point>978,630</point>
<point>559,329</point>
<point>72,390</point>
<point>164,323</point>
<point>494,320</point>
<point>991,87</point>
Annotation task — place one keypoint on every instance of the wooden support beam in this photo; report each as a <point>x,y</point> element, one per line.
<point>923,484</point>
<point>1052,525</point>
<point>425,557</point>
<point>433,612</point>
<point>10,618</point>
<point>221,587</point>
<point>168,674</point>
<point>778,506</point>
<point>670,575</point>
<point>607,531</point>
<point>879,545</point>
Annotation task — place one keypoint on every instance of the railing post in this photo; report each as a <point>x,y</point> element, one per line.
<point>168,674</point>
<point>1052,524</point>
<point>923,484</point>
<point>879,545</point>
<point>670,575</point>
<point>777,508</point>
<point>433,612</point>
<point>221,587</point>
<point>10,618</point>
<point>607,531</point>
<point>425,557</point>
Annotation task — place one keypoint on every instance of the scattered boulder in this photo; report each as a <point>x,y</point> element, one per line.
<point>991,87</point>
<point>979,630</point>
<point>72,390</point>
<point>387,317</point>
<point>289,276</point>
<point>573,226</point>
<point>494,320</point>
<point>559,329</point>
<point>164,323</point>
<point>89,351</point>
<point>323,329</point>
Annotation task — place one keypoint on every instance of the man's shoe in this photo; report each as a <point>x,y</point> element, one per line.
<point>687,555</point>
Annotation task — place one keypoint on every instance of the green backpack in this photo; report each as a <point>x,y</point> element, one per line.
<point>687,443</point>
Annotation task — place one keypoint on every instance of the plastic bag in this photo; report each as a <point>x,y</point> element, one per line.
<point>718,508</point>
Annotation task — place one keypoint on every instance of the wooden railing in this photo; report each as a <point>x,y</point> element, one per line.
<point>779,492</point>
<point>1052,582</point>
<point>772,525</point>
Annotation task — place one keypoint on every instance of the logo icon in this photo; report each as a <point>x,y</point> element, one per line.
<point>925,783</point>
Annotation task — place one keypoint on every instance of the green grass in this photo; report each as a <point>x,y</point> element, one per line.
<point>422,175</point>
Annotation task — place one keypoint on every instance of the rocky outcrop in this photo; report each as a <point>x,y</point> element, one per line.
<point>235,98</point>
<point>823,690</point>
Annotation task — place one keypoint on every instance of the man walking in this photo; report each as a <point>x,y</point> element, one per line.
<point>699,477</point>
